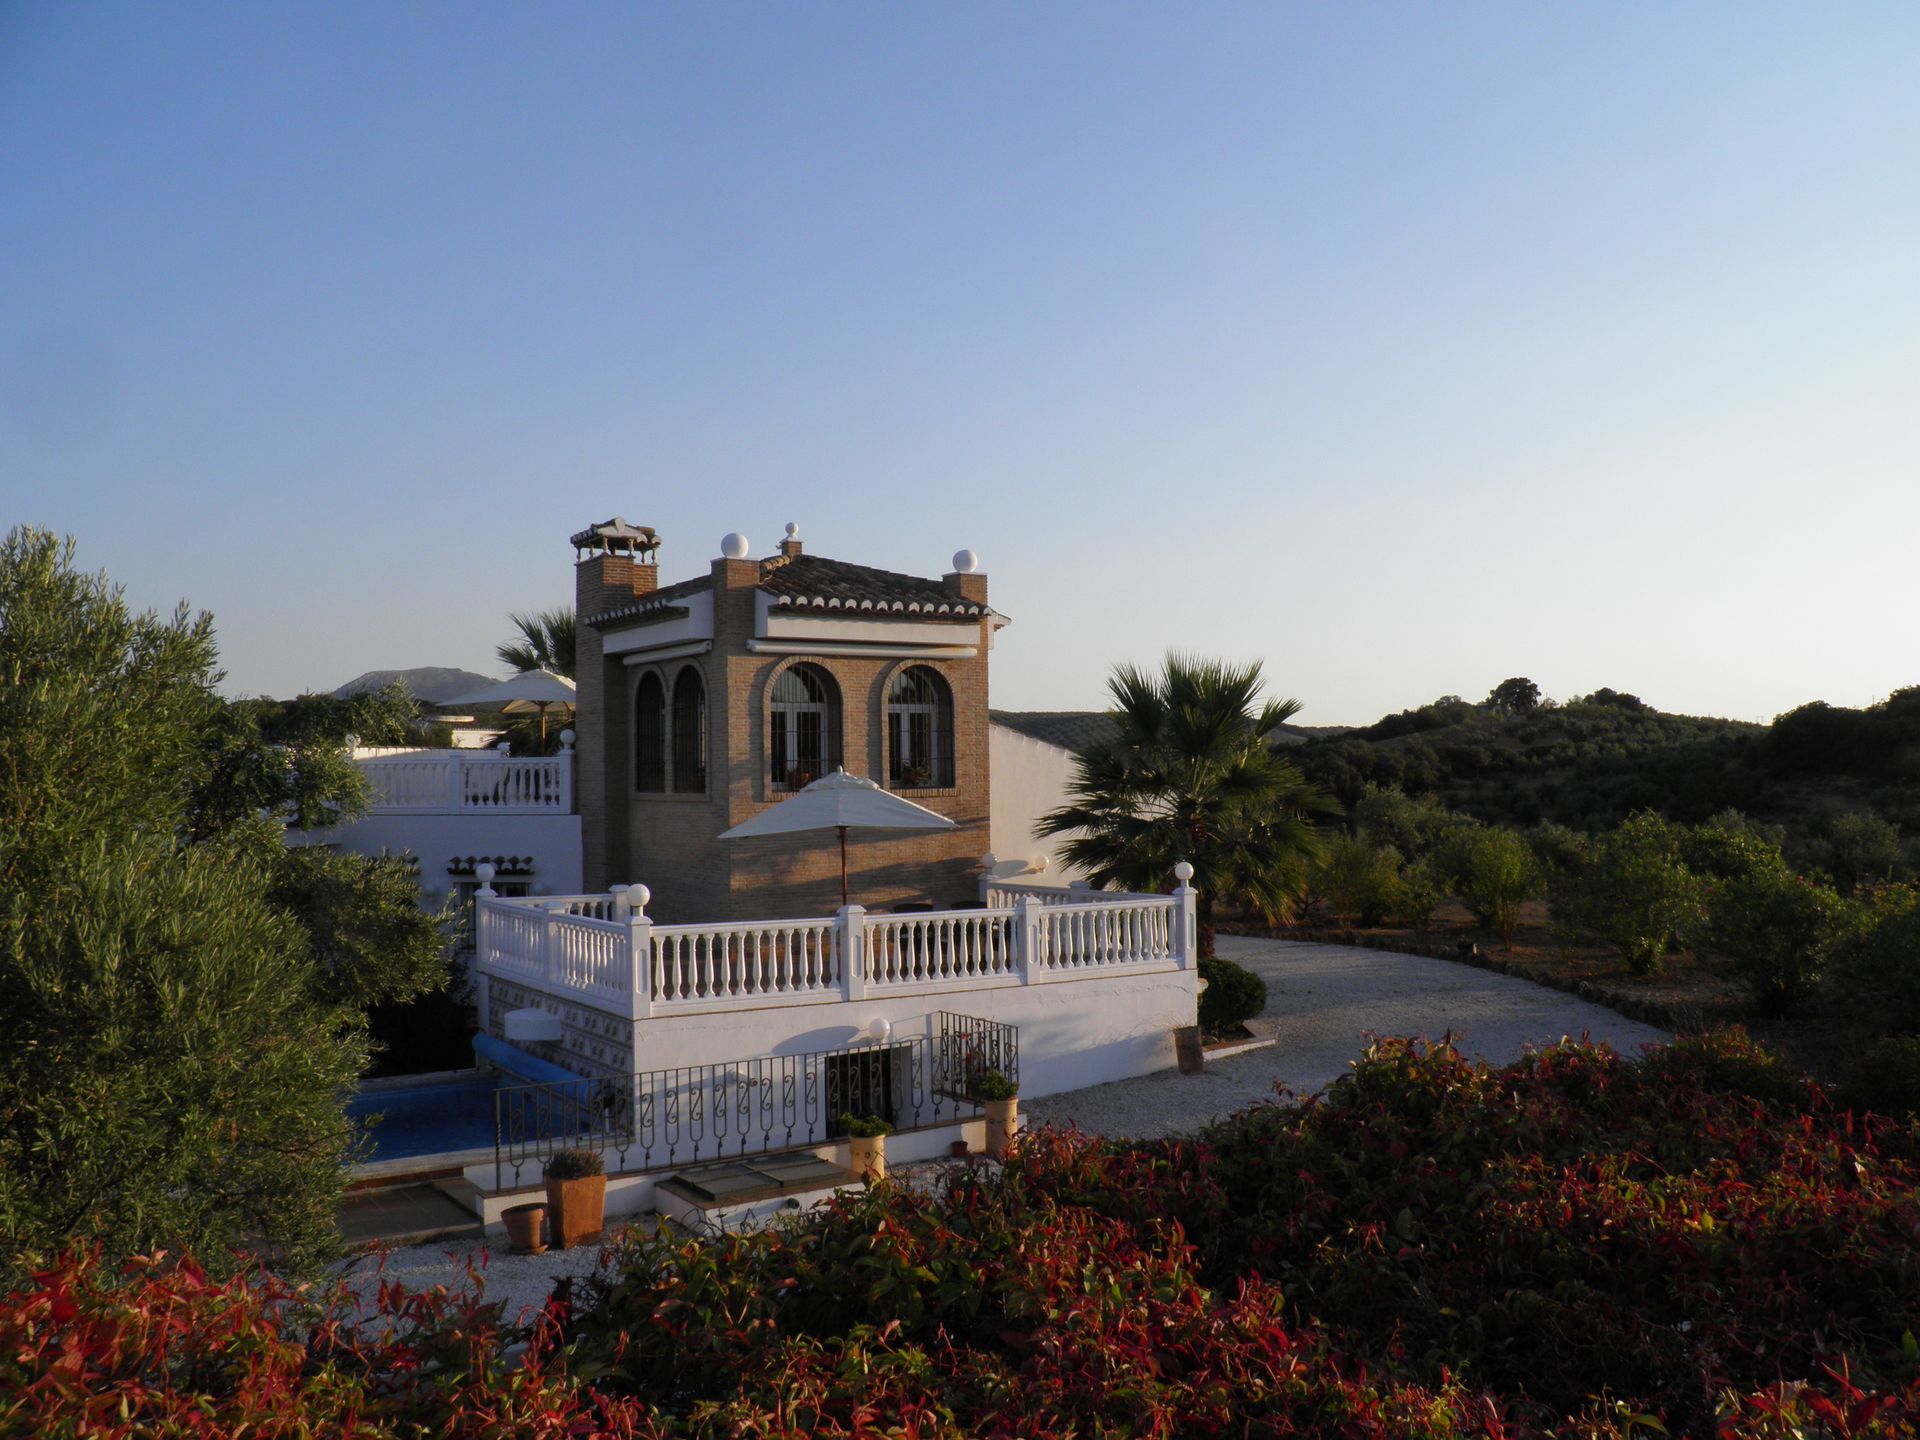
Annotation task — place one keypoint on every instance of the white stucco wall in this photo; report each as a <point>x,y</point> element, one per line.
<point>1030,777</point>
<point>552,840</point>
<point>1073,1033</point>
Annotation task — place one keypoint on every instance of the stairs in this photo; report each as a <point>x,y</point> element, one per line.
<point>733,1196</point>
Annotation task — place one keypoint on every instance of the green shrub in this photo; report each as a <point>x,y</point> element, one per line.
<point>1630,890</point>
<point>1779,930</point>
<point>995,1086</point>
<point>1879,964</point>
<point>1420,895</point>
<point>1494,872</point>
<point>1886,1078</point>
<point>1234,995</point>
<point>1360,880</point>
<point>575,1165</point>
<point>1729,1062</point>
<point>865,1127</point>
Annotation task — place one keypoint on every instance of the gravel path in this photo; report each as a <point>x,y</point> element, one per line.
<point>1322,1003</point>
<point>522,1281</point>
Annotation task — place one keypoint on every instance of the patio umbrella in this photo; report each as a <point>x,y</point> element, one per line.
<point>517,694</point>
<point>840,802</point>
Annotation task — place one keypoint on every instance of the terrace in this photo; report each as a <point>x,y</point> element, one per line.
<point>603,952</point>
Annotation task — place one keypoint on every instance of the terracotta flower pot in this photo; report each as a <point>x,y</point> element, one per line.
<point>959,1149</point>
<point>869,1156</point>
<point>526,1228</point>
<point>579,1209</point>
<point>1003,1121</point>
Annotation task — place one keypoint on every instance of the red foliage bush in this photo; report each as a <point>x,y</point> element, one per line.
<point>1571,1245</point>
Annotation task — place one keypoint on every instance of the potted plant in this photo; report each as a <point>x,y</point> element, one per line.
<point>999,1096</point>
<point>867,1136</point>
<point>577,1194</point>
<point>526,1228</point>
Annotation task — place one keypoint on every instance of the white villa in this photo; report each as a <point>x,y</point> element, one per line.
<point>698,1000</point>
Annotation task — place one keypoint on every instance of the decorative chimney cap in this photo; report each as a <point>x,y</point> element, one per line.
<point>965,562</point>
<point>735,546</point>
<point>793,529</point>
<point>616,537</point>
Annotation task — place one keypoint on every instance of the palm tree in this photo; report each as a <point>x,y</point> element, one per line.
<point>545,643</point>
<point>1192,776</point>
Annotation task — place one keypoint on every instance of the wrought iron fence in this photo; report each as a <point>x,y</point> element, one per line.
<point>698,1113</point>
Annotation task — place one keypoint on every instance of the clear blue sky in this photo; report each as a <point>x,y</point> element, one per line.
<point>1405,347</point>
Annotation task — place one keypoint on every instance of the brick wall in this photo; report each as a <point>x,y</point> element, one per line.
<point>669,842</point>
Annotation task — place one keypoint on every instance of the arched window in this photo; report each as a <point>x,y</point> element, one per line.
<point>689,733</point>
<point>650,735</point>
<point>919,730</point>
<point>805,739</point>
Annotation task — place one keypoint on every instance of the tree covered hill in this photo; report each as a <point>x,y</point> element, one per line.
<point>1591,761</point>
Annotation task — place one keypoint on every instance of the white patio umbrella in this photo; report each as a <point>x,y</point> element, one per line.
<point>840,802</point>
<point>517,694</point>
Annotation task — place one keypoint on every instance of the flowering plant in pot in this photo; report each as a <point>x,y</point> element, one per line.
<point>867,1137</point>
<point>999,1096</point>
<point>577,1195</point>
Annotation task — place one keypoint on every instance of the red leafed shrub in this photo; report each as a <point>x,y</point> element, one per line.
<point>1575,1245</point>
<point>158,1348</point>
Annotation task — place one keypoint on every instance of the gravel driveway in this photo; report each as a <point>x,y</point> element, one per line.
<point>1322,1003</point>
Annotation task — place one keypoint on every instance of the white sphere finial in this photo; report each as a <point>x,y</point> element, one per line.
<point>793,530</point>
<point>734,546</point>
<point>965,562</point>
<point>638,896</point>
<point>988,861</point>
<point>1183,872</point>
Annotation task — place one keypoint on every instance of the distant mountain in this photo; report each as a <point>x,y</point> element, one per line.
<point>431,683</point>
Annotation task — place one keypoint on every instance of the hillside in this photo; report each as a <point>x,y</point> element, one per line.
<point>1592,761</point>
<point>431,683</point>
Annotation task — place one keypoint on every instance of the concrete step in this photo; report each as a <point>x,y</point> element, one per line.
<point>735,1196</point>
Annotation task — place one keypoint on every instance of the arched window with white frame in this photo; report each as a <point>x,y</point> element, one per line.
<point>804,727</point>
<point>919,730</point>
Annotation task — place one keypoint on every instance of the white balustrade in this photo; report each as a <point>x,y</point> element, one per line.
<point>760,963</point>
<point>941,947</point>
<point>585,946</point>
<point>465,782</point>
<point>1087,937</point>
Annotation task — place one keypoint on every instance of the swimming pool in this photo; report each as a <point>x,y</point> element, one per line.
<point>432,1119</point>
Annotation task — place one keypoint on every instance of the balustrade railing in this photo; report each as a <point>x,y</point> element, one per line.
<point>465,782</point>
<point>604,950</point>
<point>738,1108</point>
<point>941,947</point>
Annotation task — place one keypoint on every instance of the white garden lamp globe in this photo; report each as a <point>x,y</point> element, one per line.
<point>880,1029</point>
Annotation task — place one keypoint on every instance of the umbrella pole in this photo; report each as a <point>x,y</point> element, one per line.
<point>843,864</point>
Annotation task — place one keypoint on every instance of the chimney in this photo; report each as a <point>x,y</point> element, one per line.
<point>965,579</point>
<point>614,562</point>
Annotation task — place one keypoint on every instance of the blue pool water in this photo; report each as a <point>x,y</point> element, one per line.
<point>427,1119</point>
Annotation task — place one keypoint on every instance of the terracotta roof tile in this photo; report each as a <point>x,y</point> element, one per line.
<point>815,583</point>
